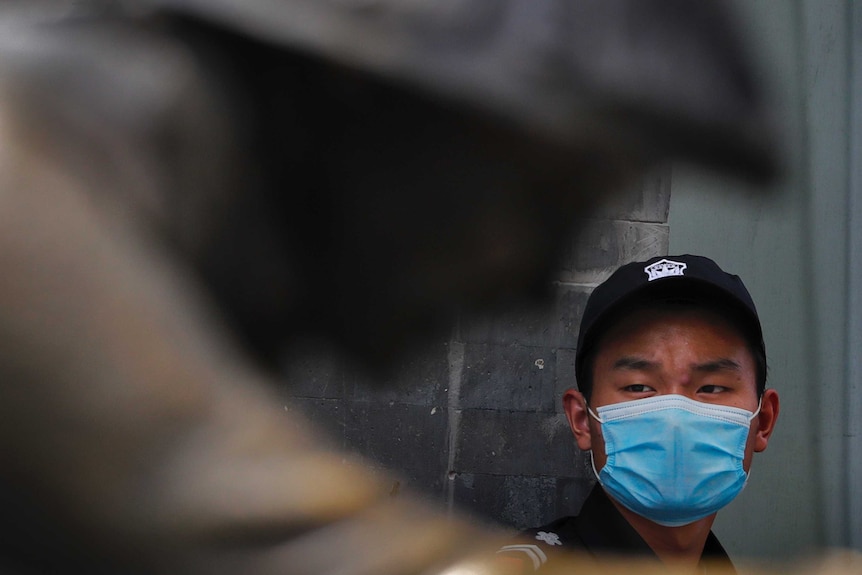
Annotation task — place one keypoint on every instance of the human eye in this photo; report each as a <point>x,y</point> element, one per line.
<point>712,389</point>
<point>638,388</point>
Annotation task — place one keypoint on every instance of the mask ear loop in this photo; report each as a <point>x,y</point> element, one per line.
<point>756,413</point>
<point>750,419</point>
<point>593,459</point>
<point>593,465</point>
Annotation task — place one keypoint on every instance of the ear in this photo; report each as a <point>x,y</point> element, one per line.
<point>766,419</point>
<point>575,407</point>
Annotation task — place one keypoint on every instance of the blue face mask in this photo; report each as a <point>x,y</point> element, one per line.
<point>671,459</point>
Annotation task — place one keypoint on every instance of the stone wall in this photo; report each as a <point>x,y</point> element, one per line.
<point>475,423</point>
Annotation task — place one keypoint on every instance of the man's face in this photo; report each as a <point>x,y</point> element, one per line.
<point>689,352</point>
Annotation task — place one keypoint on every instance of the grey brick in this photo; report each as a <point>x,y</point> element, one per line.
<point>534,326</point>
<point>327,415</point>
<point>420,379</point>
<point>644,201</point>
<point>601,246</point>
<point>555,325</point>
<point>319,372</point>
<point>406,439</point>
<point>514,443</point>
<point>511,377</point>
<point>519,501</point>
<point>426,483</point>
<point>565,375</point>
<point>313,371</point>
<point>568,310</point>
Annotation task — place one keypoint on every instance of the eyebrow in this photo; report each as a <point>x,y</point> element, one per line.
<point>721,364</point>
<point>633,363</point>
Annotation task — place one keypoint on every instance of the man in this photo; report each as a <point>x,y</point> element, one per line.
<point>671,405</point>
<point>189,186</point>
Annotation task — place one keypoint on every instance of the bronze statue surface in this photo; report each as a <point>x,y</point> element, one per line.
<point>186,187</point>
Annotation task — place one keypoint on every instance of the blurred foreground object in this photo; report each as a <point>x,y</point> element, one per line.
<point>187,186</point>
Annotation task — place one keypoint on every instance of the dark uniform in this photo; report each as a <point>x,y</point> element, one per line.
<point>600,530</point>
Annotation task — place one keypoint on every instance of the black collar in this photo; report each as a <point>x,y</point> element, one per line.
<point>604,530</point>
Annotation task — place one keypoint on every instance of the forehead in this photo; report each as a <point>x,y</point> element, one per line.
<point>669,328</point>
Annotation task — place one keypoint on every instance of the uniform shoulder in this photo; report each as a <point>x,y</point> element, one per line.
<point>530,549</point>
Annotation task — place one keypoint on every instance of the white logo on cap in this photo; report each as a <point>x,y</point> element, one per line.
<point>664,268</point>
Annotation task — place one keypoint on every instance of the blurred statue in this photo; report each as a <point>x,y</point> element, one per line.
<point>186,186</point>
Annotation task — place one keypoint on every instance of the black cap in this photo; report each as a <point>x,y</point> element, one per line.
<point>691,278</point>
